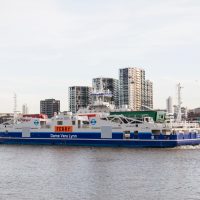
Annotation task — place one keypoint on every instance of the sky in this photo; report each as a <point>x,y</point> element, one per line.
<point>48,45</point>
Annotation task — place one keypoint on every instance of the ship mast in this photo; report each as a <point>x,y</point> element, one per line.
<point>179,115</point>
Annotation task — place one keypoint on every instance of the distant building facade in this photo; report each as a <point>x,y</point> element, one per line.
<point>49,107</point>
<point>24,109</point>
<point>194,114</point>
<point>147,96</point>
<point>169,105</point>
<point>107,84</point>
<point>135,92</point>
<point>79,97</point>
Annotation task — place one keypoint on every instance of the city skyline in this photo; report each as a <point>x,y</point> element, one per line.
<point>47,46</point>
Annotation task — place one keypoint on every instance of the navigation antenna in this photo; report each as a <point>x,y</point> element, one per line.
<point>179,115</point>
<point>15,108</point>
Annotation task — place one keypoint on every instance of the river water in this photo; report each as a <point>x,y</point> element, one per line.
<point>73,173</point>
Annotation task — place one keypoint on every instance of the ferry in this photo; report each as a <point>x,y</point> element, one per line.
<point>98,130</point>
<point>94,126</point>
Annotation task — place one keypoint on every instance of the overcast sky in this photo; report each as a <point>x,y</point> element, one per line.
<point>48,45</point>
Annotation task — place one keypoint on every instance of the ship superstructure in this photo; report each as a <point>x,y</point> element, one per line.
<point>98,130</point>
<point>101,100</point>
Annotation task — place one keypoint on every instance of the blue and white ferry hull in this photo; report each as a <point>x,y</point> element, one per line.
<point>94,139</point>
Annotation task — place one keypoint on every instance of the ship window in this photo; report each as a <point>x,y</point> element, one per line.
<point>59,122</point>
<point>79,123</point>
<point>73,122</point>
<point>42,123</point>
<point>85,122</point>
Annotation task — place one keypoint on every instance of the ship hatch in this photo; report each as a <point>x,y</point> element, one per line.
<point>106,132</point>
<point>26,132</point>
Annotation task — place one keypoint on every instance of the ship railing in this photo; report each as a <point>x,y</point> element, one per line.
<point>9,122</point>
<point>181,125</point>
<point>123,120</point>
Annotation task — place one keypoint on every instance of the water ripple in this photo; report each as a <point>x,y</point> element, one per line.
<point>50,172</point>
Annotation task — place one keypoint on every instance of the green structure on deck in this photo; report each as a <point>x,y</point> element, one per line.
<point>158,116</point>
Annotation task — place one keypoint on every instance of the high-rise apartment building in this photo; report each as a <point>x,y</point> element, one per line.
<point>169,103</point>
<point>79,97</point>
<point>24,109</point>
<point>135,92</point>
<point>107,84</point>
<point>49,107</point>
<point>148,95</point>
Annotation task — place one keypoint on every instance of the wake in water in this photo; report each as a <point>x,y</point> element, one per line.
<point>188,147</point>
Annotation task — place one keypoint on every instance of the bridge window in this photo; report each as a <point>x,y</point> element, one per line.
<point>42,123</point>
<point>85,122</point>
<point>60,123</point>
